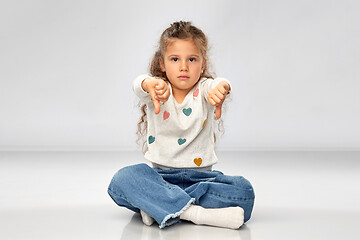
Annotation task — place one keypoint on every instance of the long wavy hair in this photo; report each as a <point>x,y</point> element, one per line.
<point>177,30</point>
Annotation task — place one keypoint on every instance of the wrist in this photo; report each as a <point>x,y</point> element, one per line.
<point>144,84</point>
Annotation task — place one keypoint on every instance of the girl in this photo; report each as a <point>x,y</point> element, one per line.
<point>181,101</point>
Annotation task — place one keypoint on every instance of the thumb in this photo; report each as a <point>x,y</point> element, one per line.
<point>155,101</point>
<point>157,105</point>
<point>218,111</point>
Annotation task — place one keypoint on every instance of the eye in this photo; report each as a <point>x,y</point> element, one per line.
<point>192,59</point>
<point>174,59</point>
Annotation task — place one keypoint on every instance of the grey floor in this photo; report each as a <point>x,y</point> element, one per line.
<point>62,195</point>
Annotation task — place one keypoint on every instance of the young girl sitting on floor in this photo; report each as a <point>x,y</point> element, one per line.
<point>181,103</point>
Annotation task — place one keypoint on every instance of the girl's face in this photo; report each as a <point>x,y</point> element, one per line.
<point>183,64</point>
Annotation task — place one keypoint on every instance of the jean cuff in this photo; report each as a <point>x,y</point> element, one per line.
<point>167,220</point>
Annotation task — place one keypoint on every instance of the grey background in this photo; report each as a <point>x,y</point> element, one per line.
<point>66,69</point>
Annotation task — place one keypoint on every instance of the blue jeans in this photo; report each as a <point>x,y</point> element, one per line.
<point>165,194</point>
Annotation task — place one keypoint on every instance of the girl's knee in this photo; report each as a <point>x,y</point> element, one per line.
<point>247,185</point>
<point>130,171</point>
<point>245,192</point>
<point>240,183</point>
<point>248,197</point>
<point>125,175</point>
<point>243,182</point>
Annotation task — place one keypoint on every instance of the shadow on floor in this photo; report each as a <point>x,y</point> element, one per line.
<point>135,229</point>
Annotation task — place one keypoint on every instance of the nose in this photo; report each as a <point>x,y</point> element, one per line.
<point>184,66</point>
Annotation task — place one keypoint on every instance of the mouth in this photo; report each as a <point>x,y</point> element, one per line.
<point>183,77</point>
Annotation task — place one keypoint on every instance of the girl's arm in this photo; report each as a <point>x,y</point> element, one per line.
<point>139,91</point>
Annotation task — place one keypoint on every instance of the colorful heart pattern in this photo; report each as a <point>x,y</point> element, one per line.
<point>196,93</point>
<point>187,111</point>
<point>181,141</point>
<point>204,123</point>
<point>166,115</point>
<point>151,139</point>
<point>198,161</point>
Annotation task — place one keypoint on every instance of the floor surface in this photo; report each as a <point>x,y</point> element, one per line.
<point>62,195</point>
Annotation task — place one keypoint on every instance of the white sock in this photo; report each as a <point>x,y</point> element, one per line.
<point>230,217</point>
<point>147,220</point>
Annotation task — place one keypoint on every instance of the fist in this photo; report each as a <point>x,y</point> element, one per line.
<point>158,90</point>
<point>217,96</point>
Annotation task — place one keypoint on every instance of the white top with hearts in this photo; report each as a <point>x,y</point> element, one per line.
<point>181,135</point>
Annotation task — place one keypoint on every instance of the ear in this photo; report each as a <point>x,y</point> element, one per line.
<point>162,65</point>
<point>203,65</point>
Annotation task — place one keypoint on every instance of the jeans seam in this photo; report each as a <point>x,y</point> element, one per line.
<point>168,185</point>
<point>118,195</point>
<point>229,197</point>
<point>182,180</point>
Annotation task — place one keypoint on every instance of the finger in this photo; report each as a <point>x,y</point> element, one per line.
<point>218,111</point>
<point>157,106</point>
<point>160,91</point>
<point>155,100</point>
<point>166,95</point>
<point>211,101</point>
<point>219,95</point>
<point>167,92</point>
<point>222,90</point>
<point>163,95</point>
<point>163,98</point>
<point>160,85</point>
<point>216,99</point>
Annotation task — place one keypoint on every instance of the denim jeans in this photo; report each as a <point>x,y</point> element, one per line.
<point>165,194</point>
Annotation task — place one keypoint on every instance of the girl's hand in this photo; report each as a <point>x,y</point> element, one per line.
<point>217,95</point>
<point>158,90</point>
